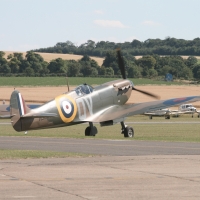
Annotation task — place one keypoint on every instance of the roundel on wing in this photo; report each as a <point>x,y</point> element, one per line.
<point>67,108</point>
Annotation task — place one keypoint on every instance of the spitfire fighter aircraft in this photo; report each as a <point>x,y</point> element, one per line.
<point>104,104</point>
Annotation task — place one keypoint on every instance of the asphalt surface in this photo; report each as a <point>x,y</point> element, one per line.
<point>102,178</point>
<point>118,169</point>
<point>100,147</point>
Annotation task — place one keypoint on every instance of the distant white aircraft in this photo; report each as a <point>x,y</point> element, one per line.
<point>183,109</point>
<point>159,113</point>
<point>186,109</point>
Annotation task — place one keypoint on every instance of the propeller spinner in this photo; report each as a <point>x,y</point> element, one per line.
<point>123,72</point>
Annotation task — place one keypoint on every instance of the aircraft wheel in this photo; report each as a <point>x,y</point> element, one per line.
<point>128,132</point>
<point>198,116</point>
<point>87,131</point>
<point>167,117</point>
<point>91,131</point>
<point>150,117</point>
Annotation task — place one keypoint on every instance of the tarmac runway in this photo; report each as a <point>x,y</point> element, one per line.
<point>118,169</point>
<point>100,147</point>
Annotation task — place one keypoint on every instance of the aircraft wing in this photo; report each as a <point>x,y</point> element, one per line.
<point>121,111</point>
<point>154,114</point>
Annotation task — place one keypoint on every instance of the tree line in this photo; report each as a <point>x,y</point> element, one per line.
<point>168,46</point>
<point>148,66</point>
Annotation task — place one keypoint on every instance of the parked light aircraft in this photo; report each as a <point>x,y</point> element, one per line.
<point>186,109</point>
<point>104,104</point>
<point>183,109</point>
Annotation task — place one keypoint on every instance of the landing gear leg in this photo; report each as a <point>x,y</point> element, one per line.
<point>127,130</point>
<point>91,130</point>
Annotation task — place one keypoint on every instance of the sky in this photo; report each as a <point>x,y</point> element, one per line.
<point>33,24</point>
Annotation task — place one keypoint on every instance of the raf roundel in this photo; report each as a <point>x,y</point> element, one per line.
<point>67,108</point>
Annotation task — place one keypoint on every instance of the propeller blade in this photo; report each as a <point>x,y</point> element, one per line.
<point>121,64</point>
<point>146,93</point>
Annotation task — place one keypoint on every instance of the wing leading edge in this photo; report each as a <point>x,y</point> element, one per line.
<point>122,111</point>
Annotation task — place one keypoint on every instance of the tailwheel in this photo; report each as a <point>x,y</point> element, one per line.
<point>91,130</point>
<point>127,130</point>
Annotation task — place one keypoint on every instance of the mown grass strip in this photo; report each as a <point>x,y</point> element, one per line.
<point>58,81</point>
<point>25,154</point>
<point>158,132</point>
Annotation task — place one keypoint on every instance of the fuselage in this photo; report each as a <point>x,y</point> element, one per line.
<point>78,105</point>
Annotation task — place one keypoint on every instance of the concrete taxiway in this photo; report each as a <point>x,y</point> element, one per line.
<point>118,169</point>
<point>102,177</point>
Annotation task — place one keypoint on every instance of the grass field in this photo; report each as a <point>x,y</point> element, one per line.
<point>157,132</point>
<point>58,81</point>
<point>51,56</point>
<point>25,154</point>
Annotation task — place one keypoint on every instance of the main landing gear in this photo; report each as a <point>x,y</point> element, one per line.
<point>127,130</point>
<point>91,130</point>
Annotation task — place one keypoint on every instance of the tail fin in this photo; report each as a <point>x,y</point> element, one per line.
<point>18,108</point>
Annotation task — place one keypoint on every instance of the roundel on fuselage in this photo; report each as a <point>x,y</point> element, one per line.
<point>67,108</point>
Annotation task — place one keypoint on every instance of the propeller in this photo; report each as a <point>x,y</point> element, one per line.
<point>123,72</point>
<point>121,64</point>
<point>146,93</point>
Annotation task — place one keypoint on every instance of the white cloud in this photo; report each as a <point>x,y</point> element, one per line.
<point>99,12</point>
<point>150,23</point>
<point>110,23</point>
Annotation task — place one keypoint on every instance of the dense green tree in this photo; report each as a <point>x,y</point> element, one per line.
<point>196,71</point>
<point>29,71</point>
<point>109,71</point>
<point>134,72</point>
<point>147,63</point>
<point>14,65</point>
<point>5,68</point>
<point>190,61</point>
<point>73,68</point>
<point>57,66</point>
<point>2,54</point>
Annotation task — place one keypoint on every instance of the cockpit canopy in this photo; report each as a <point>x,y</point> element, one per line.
<point>83,89</point>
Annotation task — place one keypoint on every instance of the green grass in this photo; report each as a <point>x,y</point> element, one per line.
<point>157,132</point>
<point>24,154</point>
<point>58,81</point>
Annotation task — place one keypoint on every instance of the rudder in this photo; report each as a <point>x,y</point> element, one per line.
<point>18,108</point>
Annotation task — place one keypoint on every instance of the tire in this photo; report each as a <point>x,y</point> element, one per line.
<point>87,131</point>
<point>128,132</point>
<point>167,117</point>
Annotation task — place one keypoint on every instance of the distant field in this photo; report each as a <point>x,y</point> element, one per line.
<point>58,81</point>
<point>50,56</point>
